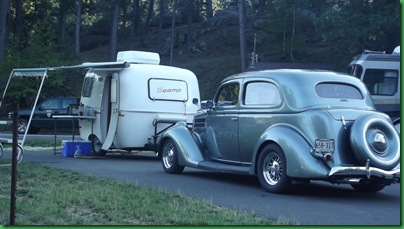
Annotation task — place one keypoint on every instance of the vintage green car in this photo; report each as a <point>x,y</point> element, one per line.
<point>288,126</point>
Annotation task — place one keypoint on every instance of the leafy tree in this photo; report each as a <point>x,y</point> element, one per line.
<point>349,27</point>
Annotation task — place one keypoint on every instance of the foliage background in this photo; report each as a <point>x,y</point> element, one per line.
<point>206,35</point>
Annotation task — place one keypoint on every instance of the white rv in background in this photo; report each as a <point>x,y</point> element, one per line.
<point>380,72</point>
<point>132,104</point>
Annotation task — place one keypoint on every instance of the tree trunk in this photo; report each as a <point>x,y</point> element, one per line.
<point>114,31</point>
<point>62,22</point>
<point>209,10</point>
<point>161,18</point>
<point>78,24</point>
<point>189,23</point>
<point>292,42</point>
<point>243,43</point>
<point>18,27</point>
<point>261,7</point>
<point>4,27</point>
<point>150,12</point>
<point>173,32</point>
<point>134,23</point>
<point>198,10</point>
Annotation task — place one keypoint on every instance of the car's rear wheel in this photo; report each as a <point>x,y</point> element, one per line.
<point>375,139</point>
<point>272,170</point>
<point>96,146</point>
<point>169,158</point>
<point>369,188</point>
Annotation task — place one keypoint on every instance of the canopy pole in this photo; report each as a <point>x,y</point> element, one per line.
<point>33,108</point>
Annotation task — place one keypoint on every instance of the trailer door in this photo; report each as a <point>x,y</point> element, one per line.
<point>113,110</point>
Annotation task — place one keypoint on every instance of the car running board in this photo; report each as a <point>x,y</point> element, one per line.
<point>220,167</point>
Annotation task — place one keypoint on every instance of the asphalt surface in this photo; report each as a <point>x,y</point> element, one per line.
<point>317,203</point>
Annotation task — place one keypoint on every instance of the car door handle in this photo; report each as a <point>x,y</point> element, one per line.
<point>234,119</point>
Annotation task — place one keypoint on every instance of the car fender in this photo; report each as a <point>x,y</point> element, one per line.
<point>188,145</point>
<point>300,162</point>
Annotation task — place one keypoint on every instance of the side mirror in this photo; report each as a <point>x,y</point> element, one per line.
<point>207,104</point>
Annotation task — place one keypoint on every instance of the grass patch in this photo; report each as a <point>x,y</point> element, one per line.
<point>49,196</point>
<point>38,145</point>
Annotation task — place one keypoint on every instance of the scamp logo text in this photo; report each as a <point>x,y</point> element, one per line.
<point>168,90</point>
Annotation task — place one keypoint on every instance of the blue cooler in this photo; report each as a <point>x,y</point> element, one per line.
<point>76,148</point>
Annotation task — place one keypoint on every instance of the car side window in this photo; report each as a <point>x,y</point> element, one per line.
<point>67,102</point>
<point>228,95</point>
<point>51,104</point>
<point>338,91</point>
<point>261,93</point>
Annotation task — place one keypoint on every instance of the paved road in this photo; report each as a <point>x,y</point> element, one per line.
<point>41,136</point>
<point>318,203</point>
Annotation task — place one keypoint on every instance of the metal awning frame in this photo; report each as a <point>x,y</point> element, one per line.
<point>42,73</point>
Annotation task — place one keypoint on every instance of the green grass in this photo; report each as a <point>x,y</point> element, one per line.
<point>49,196</point>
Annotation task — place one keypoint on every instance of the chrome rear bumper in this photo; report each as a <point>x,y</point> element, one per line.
<point>350,173</point>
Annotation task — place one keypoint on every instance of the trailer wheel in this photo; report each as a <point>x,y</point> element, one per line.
<point>169,158</point>
<point>96,146</point>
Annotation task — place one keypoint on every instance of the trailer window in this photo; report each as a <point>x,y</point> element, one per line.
<point>87,86</point>
<point>168,90</point>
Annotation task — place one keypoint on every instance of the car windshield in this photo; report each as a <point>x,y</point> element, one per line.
<point>338,91</point>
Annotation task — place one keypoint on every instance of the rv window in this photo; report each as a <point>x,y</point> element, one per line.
<point>355,70</point>
<point>87,86</point>
<point>381,81</point>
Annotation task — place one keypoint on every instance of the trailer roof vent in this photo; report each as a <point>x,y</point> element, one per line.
<point>138,57</point>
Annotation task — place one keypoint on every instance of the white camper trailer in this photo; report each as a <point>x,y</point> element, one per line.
<point>133,104</point>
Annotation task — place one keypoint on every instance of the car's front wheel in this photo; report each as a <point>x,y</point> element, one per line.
<point>96,146</point>
<point>271,170</point>
<point>169,158</point>
<point>369,188</point>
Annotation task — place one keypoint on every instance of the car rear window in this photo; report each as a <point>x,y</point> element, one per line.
<point>338,91</point>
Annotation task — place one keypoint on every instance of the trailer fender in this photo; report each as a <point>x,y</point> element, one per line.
<point>188,145</point>
<point>299,161</point>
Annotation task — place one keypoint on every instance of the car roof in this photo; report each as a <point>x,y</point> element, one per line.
<point>298,86</point>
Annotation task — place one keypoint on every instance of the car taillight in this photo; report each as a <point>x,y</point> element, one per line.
<point>327,156</point>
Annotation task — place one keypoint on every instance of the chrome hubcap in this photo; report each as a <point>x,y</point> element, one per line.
<point>168,156</point>
<point>378,141</point>
<point>272,170</point>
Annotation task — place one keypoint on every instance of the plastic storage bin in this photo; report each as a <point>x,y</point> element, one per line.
<point>80,148</point>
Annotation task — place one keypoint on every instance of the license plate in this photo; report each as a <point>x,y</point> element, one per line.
<point>325,145</point>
